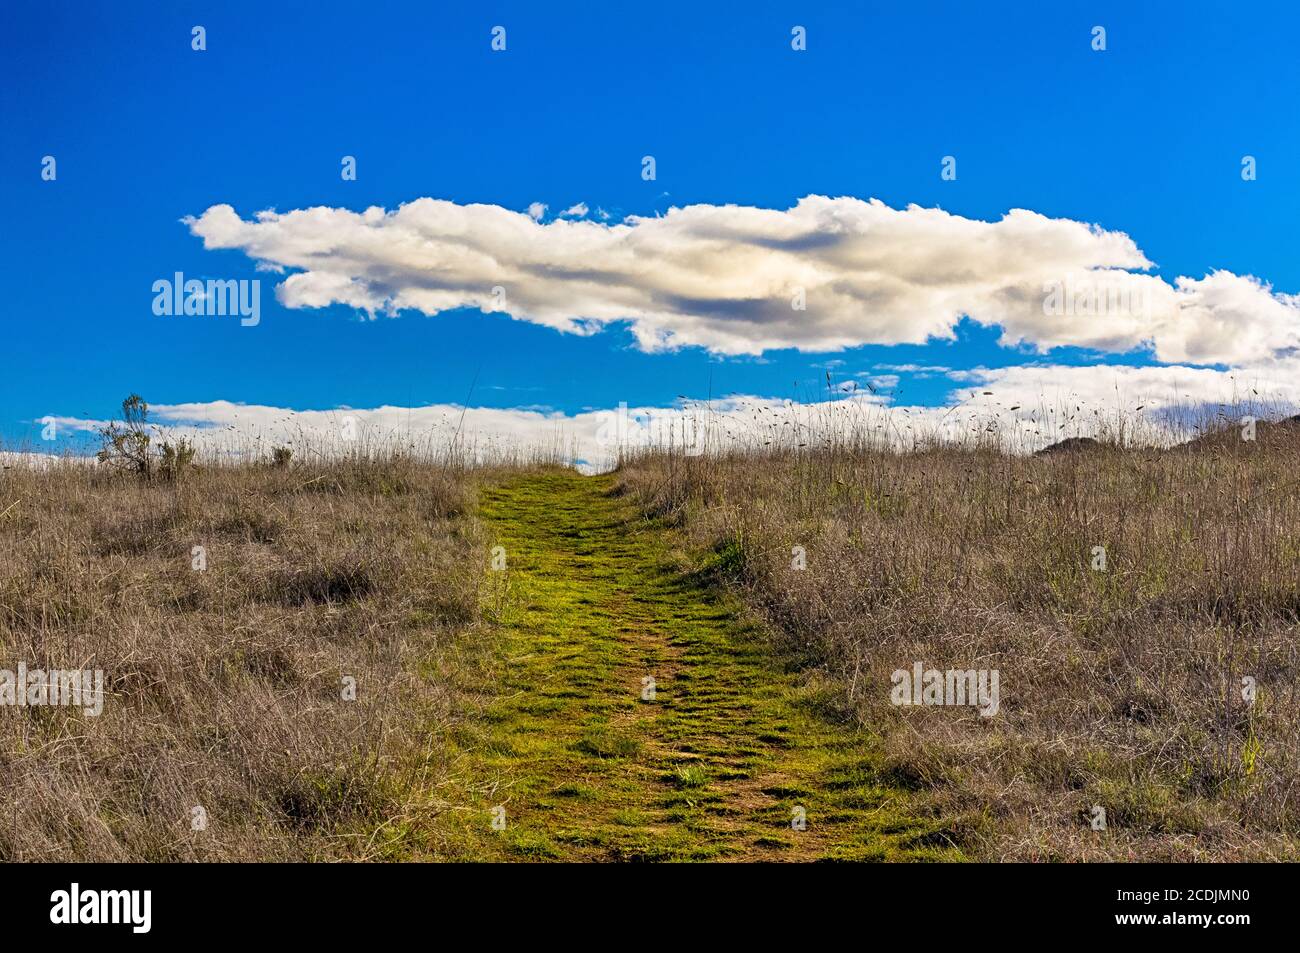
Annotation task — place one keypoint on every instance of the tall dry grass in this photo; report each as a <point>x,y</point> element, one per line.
<point>226,685</point>
<point>1120,689</point>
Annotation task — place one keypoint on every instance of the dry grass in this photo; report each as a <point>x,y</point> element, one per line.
<point>226,685</point>
<point>1120,688</point>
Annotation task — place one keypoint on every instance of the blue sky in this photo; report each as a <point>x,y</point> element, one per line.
<point>1145,138</point>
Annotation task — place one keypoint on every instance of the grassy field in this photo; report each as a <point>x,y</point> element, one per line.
<point>691,658</point>
<point>343,675</point>
<point>1141,607</point>
<point>263,702</point>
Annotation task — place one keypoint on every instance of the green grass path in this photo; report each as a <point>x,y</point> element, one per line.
<point>588,608</point>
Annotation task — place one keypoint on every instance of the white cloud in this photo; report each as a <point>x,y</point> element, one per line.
<point>536,210</point>
<point>1029,405</point>
<point>913,368</point>
<point>881,381</point>
<point>724,277</point>
<point>575,211</point>
<point>232,430</point>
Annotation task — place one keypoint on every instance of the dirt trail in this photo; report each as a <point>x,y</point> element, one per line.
<point>715,763</point>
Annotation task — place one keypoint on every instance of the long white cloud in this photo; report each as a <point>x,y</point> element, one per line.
<point>730,278</point>
<point>1027,407</point>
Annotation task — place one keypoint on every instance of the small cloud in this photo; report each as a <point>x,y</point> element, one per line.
<point>536,210</point>
<point>912,368</point>
<point>575,211</point>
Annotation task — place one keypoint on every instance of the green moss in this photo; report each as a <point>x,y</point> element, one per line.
<point>590,764</point>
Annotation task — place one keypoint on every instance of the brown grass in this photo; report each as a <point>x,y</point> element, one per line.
<point>225,685</point>
<point>1120,688</point>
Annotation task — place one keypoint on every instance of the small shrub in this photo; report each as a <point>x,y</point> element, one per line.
<point>176,459</point>
<point>126,445</point>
